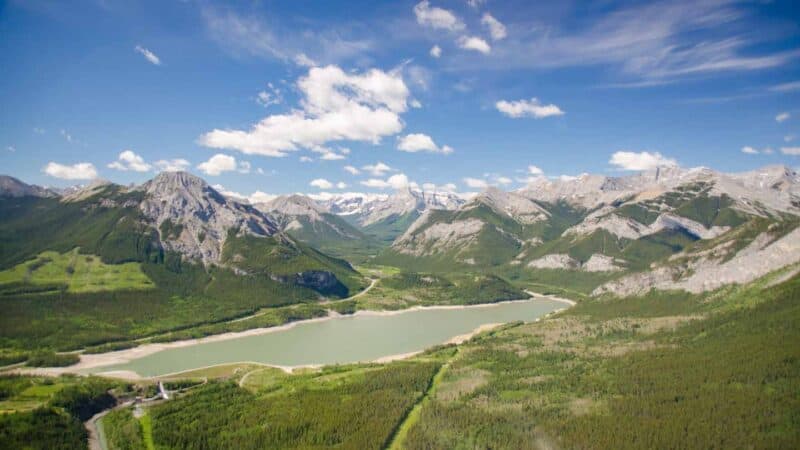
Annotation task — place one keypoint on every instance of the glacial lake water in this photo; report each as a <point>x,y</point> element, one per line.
<point>344,339</point>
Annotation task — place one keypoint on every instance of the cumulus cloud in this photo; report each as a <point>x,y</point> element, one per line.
<point>749,150</point>
<point>79,171</point>
<point>474,43</point>
<point>527,108</point>
<point>782,117</point>
<point>436,51</point>
<point>378,169</point>
<point>172,165</point>
<point>534,170</point>
<point>640,161</point>
<point>330,155</point>
<point>396,181</point>
<point>220,163</point>
<point>793,151</point>
<point>437,18</point>
<point>418,142</point>
<point>352,170</point>
<point>336,106</point>
<point>255,197</point>
<point>305,159</point>
<point>496,28</point>
<point>128,160</point>
<point>148,55</point>
<point>432,187</point>
<point>321,183</point>
<point>476,183</point>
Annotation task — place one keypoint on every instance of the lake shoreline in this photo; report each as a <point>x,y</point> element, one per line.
<point>92,361</point>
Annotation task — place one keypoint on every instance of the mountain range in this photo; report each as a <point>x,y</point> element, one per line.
<point>666,228</point>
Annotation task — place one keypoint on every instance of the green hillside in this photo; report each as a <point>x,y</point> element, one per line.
<point>83,273</point>
<point>337,237</point>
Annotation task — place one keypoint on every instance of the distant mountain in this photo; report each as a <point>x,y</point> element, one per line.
<point>308,221</point>
<point>386,217</point>
<point>614,226</point>
<point>12,187</point>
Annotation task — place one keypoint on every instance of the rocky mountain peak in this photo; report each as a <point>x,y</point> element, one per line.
<point>198,216</point>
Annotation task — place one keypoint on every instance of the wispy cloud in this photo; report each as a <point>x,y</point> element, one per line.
<point>254,34</point>
<point>148,55</point>
<point>644,41</point>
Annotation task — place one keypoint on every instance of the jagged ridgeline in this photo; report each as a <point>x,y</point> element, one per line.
<point>109,262</point>
<point>671,228</point>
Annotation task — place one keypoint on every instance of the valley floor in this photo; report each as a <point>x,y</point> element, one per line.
<point>667,369</point>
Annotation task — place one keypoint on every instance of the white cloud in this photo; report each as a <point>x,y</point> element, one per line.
<point>534,170</point>
<point>418,142</point>
<point>255,197</point>
<point>148,55</point>
<point>496,28</point>
<point>301,59</point>
<point>436,51</point>
<point>476,183</point>
<point>341,185</point>
<point>352,170</point>
<point>220,163</point>
<point>306,159</point>
<point>415,103</point>
<point>260,197</point>
<point>640,161</point>
<point>503,181</point>
<point>79,171</point>
<point>330,155</point>
<point>270,96</point>
<point>475,3</point>
<point>396,181</point>
<point>437,18</point>
<point>172,165</point>
<point>474,43</point>
<point>378,169</point>
<point>749,150</point>
<point>794,151</point>
<point>336,106</point>
<point>528,108</point>
<point>432,187</point>
<point>321,183</point>
<point>128,160</point>
<point>782,117</point>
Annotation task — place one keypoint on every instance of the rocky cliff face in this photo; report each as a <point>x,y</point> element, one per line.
<point>194,219</point>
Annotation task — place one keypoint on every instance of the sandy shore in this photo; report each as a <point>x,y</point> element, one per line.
<point>124,356</point>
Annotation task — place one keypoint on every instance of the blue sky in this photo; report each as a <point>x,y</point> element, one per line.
<point>274,96</point>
